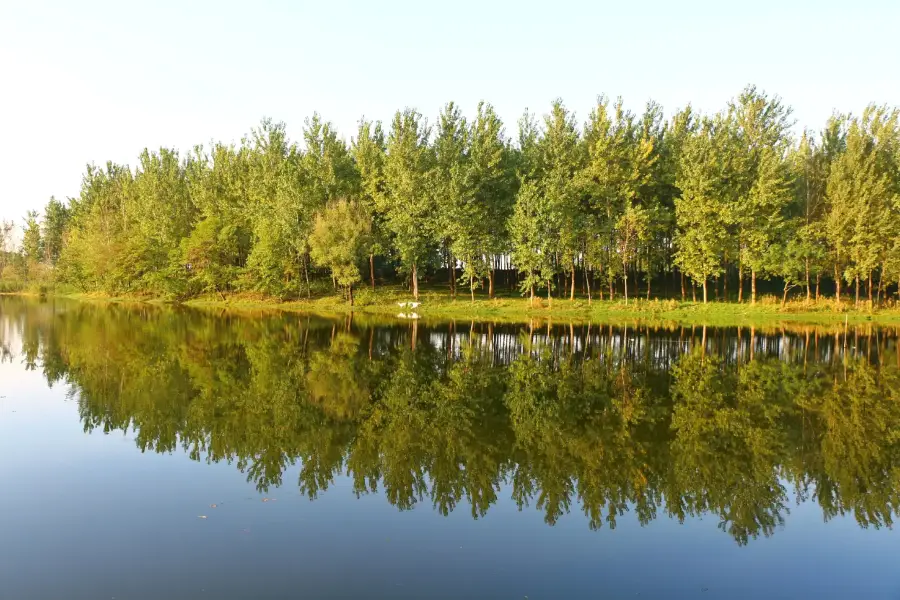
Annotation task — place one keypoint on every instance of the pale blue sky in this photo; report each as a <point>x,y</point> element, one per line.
<point>95,80</point>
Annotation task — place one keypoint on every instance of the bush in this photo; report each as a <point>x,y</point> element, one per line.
<point>364,296</point>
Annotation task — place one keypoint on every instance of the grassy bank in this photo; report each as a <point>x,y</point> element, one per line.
<point>436,304</point>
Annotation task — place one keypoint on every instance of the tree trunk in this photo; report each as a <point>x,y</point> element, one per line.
<point>451,262</point>
<point>549,297</point>
<point>491,283</point>
<point>350,290</point>
<point>306,273</point>
<point>587,284</point>
<point>612,289</point>
<point>870,289</point>
<point>725,284</point>
<point>818,285</point>
<point>837,283</point>
<point>784,297</point>
<point>808,288</point>
<point>752,286</point>
<point>415,282</point>
<point>532,295</point>
<point>372,270</point>
<point>694,291</point>
<point>740,282</point>
<point>572,294</point>
<point>704,290</point>
<point>683,292</point>
<point>472,288</point>
<point>625,279</point>
<point>857,292</point>
<point>648,285</point>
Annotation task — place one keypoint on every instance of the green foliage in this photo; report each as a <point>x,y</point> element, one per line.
<point>339,239</point>
<point>626,199</point>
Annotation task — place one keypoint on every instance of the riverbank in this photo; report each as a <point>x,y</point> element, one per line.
<point>439,305</point>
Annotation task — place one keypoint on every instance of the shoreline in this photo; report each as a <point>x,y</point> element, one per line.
<point>438,305</point>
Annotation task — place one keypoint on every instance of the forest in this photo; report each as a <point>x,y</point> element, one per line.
<point>623,205</point>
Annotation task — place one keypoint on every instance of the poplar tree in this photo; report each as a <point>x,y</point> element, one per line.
<point>561,158</point>
<point>368,152</point>
<point>699,210</point>
<point>407,204</point>
<point>459,221</point>
<point>492,183</point>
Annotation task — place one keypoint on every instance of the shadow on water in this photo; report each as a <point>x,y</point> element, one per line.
<point>677,422</point>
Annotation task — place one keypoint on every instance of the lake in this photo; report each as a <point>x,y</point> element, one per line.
<point>155,453</point>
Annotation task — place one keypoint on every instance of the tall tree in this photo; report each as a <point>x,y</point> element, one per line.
<point>368,152</point>
<point>407,203</point>
<point>53,228</point>
<point>700,209</point>
<point>561,158</point>
<point>758,182</point>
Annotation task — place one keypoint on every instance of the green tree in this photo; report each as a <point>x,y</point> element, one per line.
<point>633,230</point>
<point>32,242</point>
<point>368,152</point>
<point>407,204</point>
<point>700,209</point>
<point>53,229</point>
<point>531,237</point>
<point>339,240</point>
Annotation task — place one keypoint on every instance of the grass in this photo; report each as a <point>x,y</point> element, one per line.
<point>436,304</point>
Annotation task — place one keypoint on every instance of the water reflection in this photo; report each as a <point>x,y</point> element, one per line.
<point>615,422</point>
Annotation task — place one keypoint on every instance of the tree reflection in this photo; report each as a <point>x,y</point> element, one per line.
<point>602,420</point>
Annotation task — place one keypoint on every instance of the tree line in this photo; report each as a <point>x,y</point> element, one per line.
<point>602,209</point>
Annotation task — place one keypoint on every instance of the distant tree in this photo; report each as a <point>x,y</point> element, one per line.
<point>53,228</point>
<point>32,242</point>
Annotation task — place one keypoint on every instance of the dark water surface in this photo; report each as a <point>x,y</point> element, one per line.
<point>358,459</point>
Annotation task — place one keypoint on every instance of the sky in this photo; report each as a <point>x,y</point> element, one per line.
<point>90,81</point>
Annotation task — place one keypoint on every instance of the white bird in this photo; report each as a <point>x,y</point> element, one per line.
<point>401,304</point>
<point>413,304</point>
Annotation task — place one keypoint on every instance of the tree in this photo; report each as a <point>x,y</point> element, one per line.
<point>457,216</point>
<point>857,192</point>
<point>492,181</point>
<point>561,158</point>
<point>699,211</point>
<point>339,240</point>
<point>532,249</point>
<point>53,228</point>
<point>756,177</point>
<point>32,243</point>
<point>633,229</point>
<point>368,151</point>
<point>6,233</point>
<point>407,203</point>
<point>809,165</point>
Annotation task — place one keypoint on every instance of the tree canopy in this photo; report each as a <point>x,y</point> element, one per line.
<point>620,201</point>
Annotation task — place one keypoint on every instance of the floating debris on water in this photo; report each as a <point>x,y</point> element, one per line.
<point>201,516</point>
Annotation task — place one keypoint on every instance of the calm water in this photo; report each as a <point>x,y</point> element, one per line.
<point>366,459</point>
